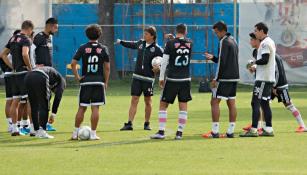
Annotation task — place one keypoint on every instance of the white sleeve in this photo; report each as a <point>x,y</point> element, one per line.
<point>164,64</point>
<point>33,56</point>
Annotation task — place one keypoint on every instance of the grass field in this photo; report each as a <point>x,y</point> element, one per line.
<point>134,153</point>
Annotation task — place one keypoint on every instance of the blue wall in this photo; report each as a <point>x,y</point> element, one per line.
<point>69,38</point>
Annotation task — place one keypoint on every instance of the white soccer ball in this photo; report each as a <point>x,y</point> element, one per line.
<point>84,133</point>
<point>156,61</point>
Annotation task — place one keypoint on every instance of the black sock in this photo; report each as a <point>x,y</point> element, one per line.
<point>256,111</point>
<point>129,123</point>
<point>146,123</point>
<point>267,112</point>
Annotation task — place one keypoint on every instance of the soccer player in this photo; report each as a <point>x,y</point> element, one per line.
<point>94,79</point>
<point>144,74</point>
<point>8,78</point>
<point>43,50</point>
<point>265,79</point>
<point>40,83</point>
<point>280,88</point>
<point>43,43</point>
<point>19,46</point>
<point>176,81</point>
<point>224,84</point>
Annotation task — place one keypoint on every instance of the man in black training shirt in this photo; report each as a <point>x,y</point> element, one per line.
<point>94,79</point>
<point>144,75</point>
<point>40,83</point>
<point>43,43</point>
<point>19,47</point>
<point>177,81</point>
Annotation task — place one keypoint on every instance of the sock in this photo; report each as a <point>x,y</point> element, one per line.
<point>25,123</point>
<point>296,113</point>
<point>215,127</point>
<point>18,124</point>
<point>260,125</point>
<point>15,127</point>
<point>9,121</point>
<point>76,129</point>
<point>162,120</point>
<point>231,128</point>
<point>32,128</point>
<point>129,122</point>
<point>182,120</point>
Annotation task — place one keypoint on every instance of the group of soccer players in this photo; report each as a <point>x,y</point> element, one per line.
<point>30,79</point>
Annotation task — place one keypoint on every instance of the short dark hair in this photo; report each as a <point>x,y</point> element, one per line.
<point>93,31</point>
<point>27,24</point>
<point>252,35</point>
<point>152,30</point>
<point>262,26</point>
<point>220,26</point>
<point>16,32</point>
<point>51,21</point>
<point>181,28</point>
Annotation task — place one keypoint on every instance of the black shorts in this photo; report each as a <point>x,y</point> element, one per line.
<point>282,96</point>
<point>92,95</point>
<point>18,87</point>
<point>225,90</point>
<point>173,89</point>
<point>263,90</point>
<point>139,86</point>
<point>8,79</point>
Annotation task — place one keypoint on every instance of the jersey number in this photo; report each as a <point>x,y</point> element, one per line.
<point>183,53</point>
<point>92,64</point>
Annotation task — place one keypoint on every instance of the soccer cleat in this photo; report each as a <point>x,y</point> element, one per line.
<point>178,135</point>
<point>147,126</point>
<point>247,128</point>
<point>158,135</point>
<point>211,135</point>
<point>250,133</point>
<point>10,128</point>
<point>42,134</point>
<point>127,127</point>
<point>301,129</point>
<point>49,127</point>
<point>24,131</point>
<point>229,135</point>
<point>15,133</point>
<point>266,134</point>
<point>94,136</point>
<point>260,130</point>
<point>74,135</point>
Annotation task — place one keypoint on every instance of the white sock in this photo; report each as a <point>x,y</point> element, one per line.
<point>260,125</point>
<point>296,113</point>
<point>15,127</point>
<point>231,128</point>
<point>18,123</point>
<point>215,127</point>
<point>76,129</point>
<point>162,120</point>
<point>9,121</point>
<point>182,120</point>
<point>24,123</point>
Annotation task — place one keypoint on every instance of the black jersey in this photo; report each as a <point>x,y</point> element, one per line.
<point>145,55</point>
<point>43,50</point>
<point>93,56</point>
<point>15,44</point>
<point>179,51</point>
<point>280,74</point>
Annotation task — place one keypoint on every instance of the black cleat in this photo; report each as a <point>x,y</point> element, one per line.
<point>178,135</point>
<point>127,127</point>
<point>147,126</point>
<point>230,135</point>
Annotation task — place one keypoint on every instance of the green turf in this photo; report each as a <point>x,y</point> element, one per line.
<point>133,153</point>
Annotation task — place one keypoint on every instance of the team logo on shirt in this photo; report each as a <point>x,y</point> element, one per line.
<point>88,50</point>
<point>177,45</point>
<point>98,50</point>
<point>152,49</point>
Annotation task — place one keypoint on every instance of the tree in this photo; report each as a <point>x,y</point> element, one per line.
<point>106,13</point>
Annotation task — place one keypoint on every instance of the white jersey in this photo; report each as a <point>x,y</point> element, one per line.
<point>266,72</point>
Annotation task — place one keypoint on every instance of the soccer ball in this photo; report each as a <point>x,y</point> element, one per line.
<point>84,133</point>
<point>156,61</point>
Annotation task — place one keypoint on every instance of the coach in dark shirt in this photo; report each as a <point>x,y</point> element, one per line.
<point>43,43</point>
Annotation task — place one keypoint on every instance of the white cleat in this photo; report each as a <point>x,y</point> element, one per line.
<point>74,135</point>
<point>94,136</point>
<point>42,134</point>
